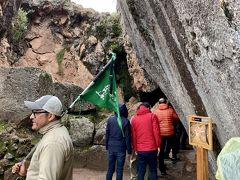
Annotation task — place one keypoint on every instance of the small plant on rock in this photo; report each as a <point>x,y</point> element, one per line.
<point>59,59</point>
<point>60,55</point>
<point>19,25</point>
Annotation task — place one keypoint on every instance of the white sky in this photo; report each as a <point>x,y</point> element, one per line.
<point>98,5</point>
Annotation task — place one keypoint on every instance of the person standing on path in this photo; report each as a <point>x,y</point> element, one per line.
<point>166,117</point>
<point>146,140</point>
<point>53,157</point>
<point>117,144</point>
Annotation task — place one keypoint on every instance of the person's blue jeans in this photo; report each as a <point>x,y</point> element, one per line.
<point>147,158</point>
<point>114,157</point>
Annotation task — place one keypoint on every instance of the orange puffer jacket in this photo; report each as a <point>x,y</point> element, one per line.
<point>166,117</point>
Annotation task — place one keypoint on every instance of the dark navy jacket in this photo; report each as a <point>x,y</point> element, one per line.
<point>115,142</point>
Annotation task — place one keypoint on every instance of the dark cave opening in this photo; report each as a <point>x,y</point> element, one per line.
<point>151,97</point>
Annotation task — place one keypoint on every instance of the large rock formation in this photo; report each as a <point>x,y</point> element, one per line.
<point>28,83</point>
<point>69,42</point>
<point>191,49</point>
<point>17,85</point>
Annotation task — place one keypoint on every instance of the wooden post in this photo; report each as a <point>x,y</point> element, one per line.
<point>202,163</point>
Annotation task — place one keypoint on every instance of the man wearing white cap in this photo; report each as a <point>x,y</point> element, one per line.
<point>53,157</point>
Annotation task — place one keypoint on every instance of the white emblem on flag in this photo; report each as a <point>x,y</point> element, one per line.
<point>104,91</point>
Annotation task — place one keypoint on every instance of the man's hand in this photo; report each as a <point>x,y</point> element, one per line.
<point>20,168</point>
<point>158,152</point>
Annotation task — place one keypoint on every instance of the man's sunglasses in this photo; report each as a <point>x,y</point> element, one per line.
<point>38,112</point>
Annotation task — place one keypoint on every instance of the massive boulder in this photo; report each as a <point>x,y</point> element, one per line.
<point>68,93</point>
<point>28,83</point>
<point>191,49</point>
<point>99,138</point>
<point>92,158</point>
<point>81,131</point>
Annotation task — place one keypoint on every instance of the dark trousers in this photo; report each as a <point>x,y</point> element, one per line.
<point>147,158</point>
<point>171,143</point>
<point>113,158</point>
<point>165,140</point>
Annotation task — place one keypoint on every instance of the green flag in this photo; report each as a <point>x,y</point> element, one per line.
<point>103,90</point>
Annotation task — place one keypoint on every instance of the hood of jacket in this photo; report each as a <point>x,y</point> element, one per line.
<point>143,110</point>
<point>163,106</point>
<point>123,110</point>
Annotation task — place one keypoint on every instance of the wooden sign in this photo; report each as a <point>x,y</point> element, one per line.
<point>200,131</point>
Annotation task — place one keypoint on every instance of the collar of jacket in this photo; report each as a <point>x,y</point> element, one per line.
<point>49,127</point>
<point>162,106</point>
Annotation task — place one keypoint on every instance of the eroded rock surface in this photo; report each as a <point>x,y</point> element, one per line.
<point>17,85</point>
<point>81,131</point>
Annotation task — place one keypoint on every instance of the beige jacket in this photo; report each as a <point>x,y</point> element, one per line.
<point>53,157</point>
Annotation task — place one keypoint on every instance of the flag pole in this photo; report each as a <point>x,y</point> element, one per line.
<point>113,58</point>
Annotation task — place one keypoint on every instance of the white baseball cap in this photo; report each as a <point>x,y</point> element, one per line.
<point>49,103</point>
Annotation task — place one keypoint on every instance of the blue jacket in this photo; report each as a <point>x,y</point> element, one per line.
<point>115,142</point>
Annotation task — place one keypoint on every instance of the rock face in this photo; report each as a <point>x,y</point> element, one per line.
<point>29,83</point>
<point>81,131</point>
<point>67,93</point>
<point>93,158</point>
<point>141,82</point>
<point>17,85</point>
<point>8,9</point>
<point>191,49</point>
<point>69,42</point>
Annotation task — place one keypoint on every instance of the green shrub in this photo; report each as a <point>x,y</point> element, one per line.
<point>3,126</point>
<point>101,30</point>
<point>114,46</point>
<point>67,2</point>
<point>116,27</point>
<point>109,25</point>
<point>19,25</point>
<point>60,55</point>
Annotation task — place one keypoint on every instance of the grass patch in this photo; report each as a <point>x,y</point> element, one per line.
<point>19,25</point>
<point>3,126</point>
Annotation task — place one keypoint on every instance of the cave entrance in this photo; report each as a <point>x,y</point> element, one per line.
<point>151,97</point>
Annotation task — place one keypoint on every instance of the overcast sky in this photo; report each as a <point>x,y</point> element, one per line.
<point>98,5</point>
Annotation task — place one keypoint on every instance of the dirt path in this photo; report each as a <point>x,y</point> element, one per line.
<point>183,169</point>
<point>87,174</point>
